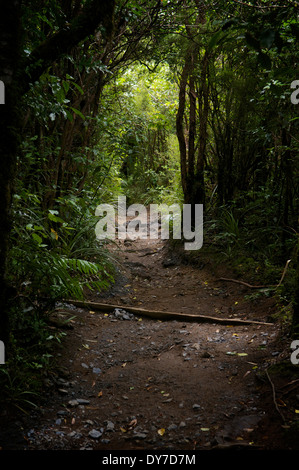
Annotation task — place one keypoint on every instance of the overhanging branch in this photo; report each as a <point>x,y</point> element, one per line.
<point>95,13</point>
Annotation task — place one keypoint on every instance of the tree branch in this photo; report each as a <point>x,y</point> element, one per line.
<point>162,315</point>
<point>95,13</point>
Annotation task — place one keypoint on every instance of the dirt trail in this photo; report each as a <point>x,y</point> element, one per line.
<point>126,382</point>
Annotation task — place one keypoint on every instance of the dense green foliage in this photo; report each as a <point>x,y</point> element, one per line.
<point>178,102</point>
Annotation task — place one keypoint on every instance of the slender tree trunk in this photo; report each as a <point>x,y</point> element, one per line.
<point>180,124</point>
<point>192,168</point>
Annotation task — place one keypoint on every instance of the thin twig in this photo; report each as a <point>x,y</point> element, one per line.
<point>243,283</point>
<point>274,396</point>
<point>259,287</point>
<point>284,272</point>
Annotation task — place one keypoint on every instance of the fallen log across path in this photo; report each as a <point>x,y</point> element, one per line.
<point>161,315</point>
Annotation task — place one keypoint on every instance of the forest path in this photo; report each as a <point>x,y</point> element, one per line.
<point>125,382</point>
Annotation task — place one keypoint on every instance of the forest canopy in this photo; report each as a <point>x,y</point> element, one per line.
<point>168,101</point>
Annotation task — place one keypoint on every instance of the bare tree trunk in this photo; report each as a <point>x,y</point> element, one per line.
<point>192,168</point>
<point>180,124</point>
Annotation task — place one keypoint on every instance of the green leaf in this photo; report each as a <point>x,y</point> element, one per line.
<point>78,88</point>
<point>215,39</point>
<point>267,38</point>
<point>37,238</point>
<point>54,217</point>
<point>76,111</point>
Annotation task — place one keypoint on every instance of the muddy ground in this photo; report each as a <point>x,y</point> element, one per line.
<point>128,382</point>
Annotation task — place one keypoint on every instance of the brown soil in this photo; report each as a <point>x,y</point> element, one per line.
<point>128,383</point>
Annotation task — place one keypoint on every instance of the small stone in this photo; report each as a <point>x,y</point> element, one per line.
<point>105,441</point>
<point>196,406</point>
<point>110,426</point>
<point>172,427</point>
<point>73,403</point>
<point>139,435</point>
<point>62,413</point>
<point>81,401</point>
<point>96,370</point>
<point>95,434</point>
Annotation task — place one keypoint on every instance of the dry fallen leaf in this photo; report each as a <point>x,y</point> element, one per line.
<point>133,423</point>
<point>161,432</point>
<point>54,234</point>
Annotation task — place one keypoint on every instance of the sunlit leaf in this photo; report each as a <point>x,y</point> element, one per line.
<point>54,234</point>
